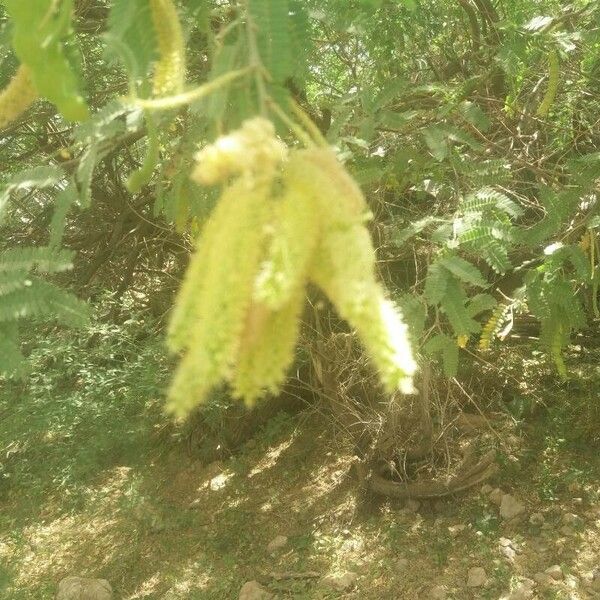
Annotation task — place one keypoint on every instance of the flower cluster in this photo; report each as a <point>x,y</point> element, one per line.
<point>18,95</point>
<point>169,70</point>
<point>286,220</point>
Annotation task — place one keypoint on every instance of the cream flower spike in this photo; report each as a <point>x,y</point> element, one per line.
<point>238,313</point>
<point>252,150</point>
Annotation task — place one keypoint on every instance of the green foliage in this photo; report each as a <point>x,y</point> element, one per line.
<point>39,30</point>
<point>131,37</point>
<point>448,138</point>
<point>24,296</point>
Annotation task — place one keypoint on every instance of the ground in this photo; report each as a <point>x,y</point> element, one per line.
<point>94,484</point>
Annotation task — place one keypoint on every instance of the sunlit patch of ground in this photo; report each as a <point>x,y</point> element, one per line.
<point>171,528</point>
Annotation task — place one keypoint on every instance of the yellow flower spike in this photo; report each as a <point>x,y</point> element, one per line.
<point>462,341</point>
<point>344,270</point>
<point>292,244</point>
<point>252,150</point>
<point>267,349</point>
<point>169,70</point>
<point>211,311</point>
<point>238,312</point>
<point>316,172</point>
<point>17,96</point>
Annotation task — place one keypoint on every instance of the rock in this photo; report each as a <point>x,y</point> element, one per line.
<point>543,579</point>
<point>477,577</point>
<point>81,588</point>
<point>523,591</point>
<point>571,582</point>
<point>486,489</point>
<point>567,531</point>
<point>437,593</point>
<point>510,507</point>
<point>496,496</point>
<point>252,590</point>
<point>556,572</point>
<point>572,520</point>
<point>277,544</point>
<point>537,519</point>
<point>412,505</point>
<point>507,548</point>
<point>455,530</point>
<point>340,582</point>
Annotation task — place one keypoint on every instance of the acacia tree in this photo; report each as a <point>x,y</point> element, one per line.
<point>469,126</point>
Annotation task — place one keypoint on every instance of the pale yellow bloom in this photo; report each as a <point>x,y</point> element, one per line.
<point>238,313</point>
<point>267,349</point>
<point>169,70</point>
<point>17,96</point>
<point>210,313</point>
<point>294,236</point>
<point>252,150</point>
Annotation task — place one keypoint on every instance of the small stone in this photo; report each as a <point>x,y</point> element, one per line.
<point>486,489</point>
<point>252,590</point>
<point>567,531</point>
<point>510,507</point>
<point>537,519</point>
<point>81,588</point>
<point>277,544</point>
<point>571,582</point>
<point>588,578</point>
<point>556,572</point>
<point>437,593</point>
<point>412,505</point>
<point>496,496</point>
<point>572,519</point>
<point>523,591</point>
<point>577,501</point>
<point>340,582</point>
<point>456,530</point>
<point>476,577</point>
<point>543,579</point>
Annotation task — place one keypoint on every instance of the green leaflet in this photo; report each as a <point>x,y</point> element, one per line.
<point>42,299</point>
<point>480,303</point>
<point>13,280</point>
<point>38,177</point>
<point>453,304</point>
<point>64,200</point>
<point>440,138</point>
<point>131,36</point>
<point>447,347</point>
<point>436,284</point>
<point>45,260</point>
<point>400,237</point>
<point>414,311</point>
<point>39,29</point>
<point>488,198</point>
<point>140,177</point>
<point>272,19</point>
<point>11,359</point>
<point>553,83</point>
<point>463,269</point>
